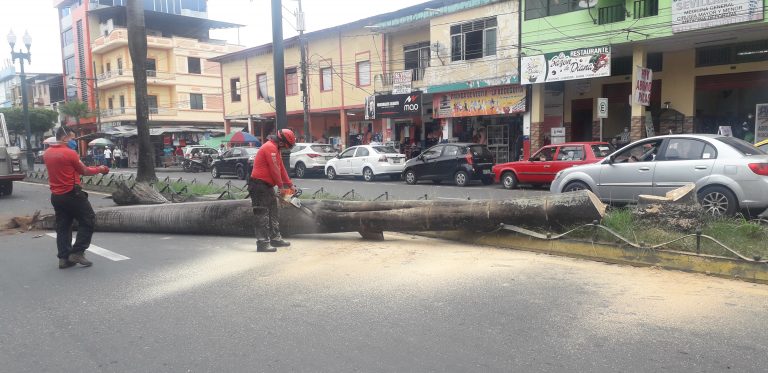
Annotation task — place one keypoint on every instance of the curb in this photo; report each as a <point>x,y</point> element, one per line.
<point>674,260</point>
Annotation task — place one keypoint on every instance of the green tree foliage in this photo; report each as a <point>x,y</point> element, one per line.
<point>76,109</point>
<point>40,120</point>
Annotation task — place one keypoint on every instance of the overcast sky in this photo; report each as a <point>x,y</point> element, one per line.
<point>40,18</point>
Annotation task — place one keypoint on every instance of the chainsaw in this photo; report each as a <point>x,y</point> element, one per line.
<point>291,197</point>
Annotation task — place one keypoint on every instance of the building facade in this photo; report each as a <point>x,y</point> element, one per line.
<point>664,66</point>
<point>437,71</point>
<point>184,86</point>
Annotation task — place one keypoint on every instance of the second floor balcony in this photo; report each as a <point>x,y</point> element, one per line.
<point>118,38</point>
<point>119,77</point>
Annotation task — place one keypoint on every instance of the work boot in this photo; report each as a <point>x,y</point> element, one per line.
<point>64,263</point>
<point>80,259</point>
<point>263,247</point>
<point>280,243</point>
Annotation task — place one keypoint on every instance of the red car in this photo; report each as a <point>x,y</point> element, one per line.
<point>541,168</point>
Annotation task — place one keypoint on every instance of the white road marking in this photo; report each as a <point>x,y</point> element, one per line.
<point>111,255</point>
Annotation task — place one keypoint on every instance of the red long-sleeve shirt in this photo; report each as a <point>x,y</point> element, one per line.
<point>268,166</point>
<point>64,168</point>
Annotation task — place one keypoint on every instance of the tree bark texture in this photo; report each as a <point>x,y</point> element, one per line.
<point>235,218</point>
<point>678,209</point>
<point>139,194</point>
<point>137,46</point>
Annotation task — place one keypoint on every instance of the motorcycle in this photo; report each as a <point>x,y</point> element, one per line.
<point>194,165</point>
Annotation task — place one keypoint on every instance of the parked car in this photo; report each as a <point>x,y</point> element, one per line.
<point>763,145</point>
<point>368,161</point>
<point>310,158</point>
<point>235,161</point>
<point>459,162</point>
<point>541,168</point>
<point>730,174</point>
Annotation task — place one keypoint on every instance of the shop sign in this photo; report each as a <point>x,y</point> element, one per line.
<point>643,84</point>
<point>370,107</point>
<point>688,15</point>
<point>761,122</point>
<point>566,65</point>
<point>486,101</point>
<point>392,106</point>
<point>602,108</point>
<point>402,82</point>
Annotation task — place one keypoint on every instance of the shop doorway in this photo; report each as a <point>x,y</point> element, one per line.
<point>729,100</point>
<point>581,119</point>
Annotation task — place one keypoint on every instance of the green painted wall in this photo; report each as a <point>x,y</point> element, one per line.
<point>578,30</point>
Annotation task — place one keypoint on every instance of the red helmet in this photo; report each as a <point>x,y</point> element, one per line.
<point>287,137</point>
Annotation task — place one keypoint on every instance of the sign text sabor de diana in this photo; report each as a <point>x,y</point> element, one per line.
<point>688,15</point>
<point>567,65</point>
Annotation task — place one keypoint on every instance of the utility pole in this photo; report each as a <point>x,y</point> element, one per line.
<point>304,73</point>
<point>278,59</point>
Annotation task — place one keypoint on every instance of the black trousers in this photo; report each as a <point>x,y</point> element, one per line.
<point>265,212</point>
<point>70,207</point>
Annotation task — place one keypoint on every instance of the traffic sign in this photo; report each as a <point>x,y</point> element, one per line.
<point>602,108</point>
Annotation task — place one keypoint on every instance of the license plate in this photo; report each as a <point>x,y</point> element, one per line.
<point>487,171</point>
<point>396,160</point>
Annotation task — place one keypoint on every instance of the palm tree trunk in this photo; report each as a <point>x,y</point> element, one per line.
<point>235,218</point>
<point>137,45</point>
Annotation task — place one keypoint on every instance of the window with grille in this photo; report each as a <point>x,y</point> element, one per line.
<point>234,89</point>
<point>193,65</point>
<point>196,101</point>
<point>543,8</point>
<point>416,59</point>
<point>326,79</point>
<point>473,40</point>
<point>753,51</point>
<point>291,82</point>
<point>261,89</point>
<point>363,73</point>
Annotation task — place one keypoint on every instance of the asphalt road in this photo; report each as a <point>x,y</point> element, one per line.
<point>371,190</point>
<point>337,303</point>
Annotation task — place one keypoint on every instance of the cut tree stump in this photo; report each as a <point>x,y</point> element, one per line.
<point>138,194</point>
<point>678,209</point>
<point>235,218</point>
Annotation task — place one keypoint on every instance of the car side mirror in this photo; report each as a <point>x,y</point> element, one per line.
<point>609,159</point>
<point>531,159</point>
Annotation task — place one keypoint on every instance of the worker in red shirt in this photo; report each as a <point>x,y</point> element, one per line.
<point>69,200</point>
<point>268,172</point>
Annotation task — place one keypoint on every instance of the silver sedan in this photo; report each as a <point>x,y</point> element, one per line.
<point>730,174</point>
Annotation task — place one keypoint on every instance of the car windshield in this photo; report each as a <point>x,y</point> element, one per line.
<point>479,151</point>
<point>323,148</point>
<point>250,151</point>
<point>741,146</point>
<point>602,150</point>
<point>385,150</point>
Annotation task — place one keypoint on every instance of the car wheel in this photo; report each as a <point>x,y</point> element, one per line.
<point>300,170</point>
<point>575,186</point>
<point>437,181</point>
<point>368,174</point>
<point>240,172</point>
<point>410,177</point>
<point>6,188</point>
<point>718,201</point>
<point>509,180</point>
<point>215,172</point>
<point>461,178</point>
<point>331,173</point>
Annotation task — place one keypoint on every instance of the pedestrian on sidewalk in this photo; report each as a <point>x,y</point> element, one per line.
<point>269,172</point>
<point>118,155</point>
<point>69,200</point>
<point>108,156</point>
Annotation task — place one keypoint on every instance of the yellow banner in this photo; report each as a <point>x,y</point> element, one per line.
<point>485,101</point>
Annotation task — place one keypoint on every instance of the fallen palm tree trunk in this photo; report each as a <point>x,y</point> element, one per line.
<point>235,218</point>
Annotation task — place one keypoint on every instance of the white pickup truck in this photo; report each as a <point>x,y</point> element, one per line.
<point>10,161</point>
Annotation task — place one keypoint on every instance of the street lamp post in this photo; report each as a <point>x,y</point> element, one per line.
<point>21,56</point>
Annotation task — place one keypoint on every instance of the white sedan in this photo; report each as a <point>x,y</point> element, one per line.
<point>368,161</point>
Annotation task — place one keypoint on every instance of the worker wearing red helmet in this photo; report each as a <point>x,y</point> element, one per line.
<point>268,173</point>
